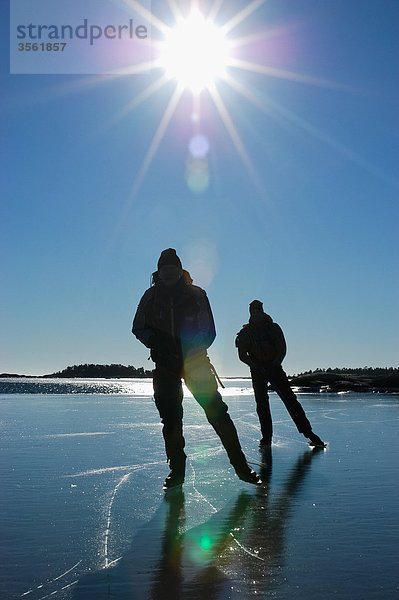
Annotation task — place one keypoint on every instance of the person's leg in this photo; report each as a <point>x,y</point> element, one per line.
<point>168,395</point>
<point>280,383</point>
<point>202,384</point>
<point>259,383</point>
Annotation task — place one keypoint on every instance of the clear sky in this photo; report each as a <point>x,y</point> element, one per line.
<point>298,205</point>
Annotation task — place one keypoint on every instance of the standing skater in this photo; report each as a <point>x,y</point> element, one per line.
<point>261,345</point>
<point>174,319</point>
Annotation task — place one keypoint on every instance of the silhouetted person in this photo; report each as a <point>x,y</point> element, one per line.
<point>261,345</point>
<point>174,319</point>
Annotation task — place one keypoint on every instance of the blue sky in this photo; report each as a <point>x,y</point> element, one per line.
<point>311,230</point>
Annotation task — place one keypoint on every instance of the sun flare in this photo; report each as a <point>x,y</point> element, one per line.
<point>198,52</point>
<point>195,52</point>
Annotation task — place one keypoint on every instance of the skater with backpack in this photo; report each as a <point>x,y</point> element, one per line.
<point>261,345</point>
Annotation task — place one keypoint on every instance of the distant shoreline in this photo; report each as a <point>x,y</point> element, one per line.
<point>380,380</point>
<point>347,382</point>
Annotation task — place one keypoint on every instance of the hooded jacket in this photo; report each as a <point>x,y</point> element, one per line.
<point>262,344</point>
<point>174,320</point>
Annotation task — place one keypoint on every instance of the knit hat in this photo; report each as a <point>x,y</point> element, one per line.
<point>256,305</point>
<point>169,257</point>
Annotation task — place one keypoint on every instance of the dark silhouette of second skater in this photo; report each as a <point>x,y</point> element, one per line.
<point>261,345</point>
<point>174,319</point>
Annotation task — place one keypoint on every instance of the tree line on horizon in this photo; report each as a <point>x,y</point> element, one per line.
<point>122,371</point>
<point>353,371</point>
<point>92,371</point>
<point>108,371</point>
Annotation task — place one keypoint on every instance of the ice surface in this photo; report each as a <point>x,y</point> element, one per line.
<point>84,516</point>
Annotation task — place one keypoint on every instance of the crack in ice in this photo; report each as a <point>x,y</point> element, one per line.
<point>108,527</point>
<point>39,587</point>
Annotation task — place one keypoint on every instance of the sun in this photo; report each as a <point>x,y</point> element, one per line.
<point>198,54</point>
<point>195,53</point>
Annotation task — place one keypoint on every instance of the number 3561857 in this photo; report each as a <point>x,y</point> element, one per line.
<point>41,46</point>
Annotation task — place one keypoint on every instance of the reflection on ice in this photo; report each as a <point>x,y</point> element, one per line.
<point>82,490</point>
<point>240,547</point>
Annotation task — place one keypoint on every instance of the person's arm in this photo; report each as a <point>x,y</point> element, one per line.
<point>206,331</point>
<point>242,350</point>
<point>244,357</point>
<point>140,328</point>
<point>207,322</point>
<point>279,345</point>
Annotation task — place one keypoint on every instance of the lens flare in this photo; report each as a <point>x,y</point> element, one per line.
<point>206,542</point>
<point>197,175</point>
<point>203,260</point>
<point>199,145</point>
<point>197,169</point>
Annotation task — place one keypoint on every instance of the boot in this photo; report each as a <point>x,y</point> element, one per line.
<point>315,440</point>
<point>265,442</point>
<point>227,432</point>
<point>174,447</point>
<point>245,473</point>
<point>174,479</point>
<point>177,473</point>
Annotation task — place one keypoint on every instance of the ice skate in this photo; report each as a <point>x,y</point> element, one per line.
<point>315,441</point>
<point>245,473</point>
